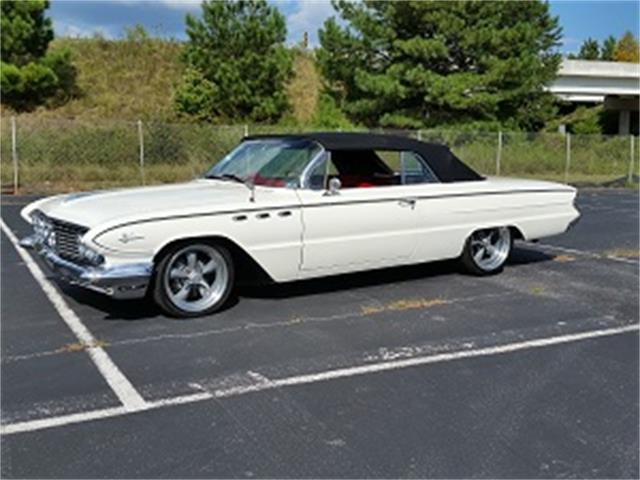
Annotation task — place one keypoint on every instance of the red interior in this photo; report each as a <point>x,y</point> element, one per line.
<point>347,181</point>
<point>363,181</point>
<point>268,182</point>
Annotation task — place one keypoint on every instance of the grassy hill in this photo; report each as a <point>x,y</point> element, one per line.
<point>133,78</point>
<point>304,88</point>
<point>126,79</point>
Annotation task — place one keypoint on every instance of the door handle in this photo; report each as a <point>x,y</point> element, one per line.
<point>407,202</point>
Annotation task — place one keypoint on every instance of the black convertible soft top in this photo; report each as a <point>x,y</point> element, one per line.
<point>442,161</point>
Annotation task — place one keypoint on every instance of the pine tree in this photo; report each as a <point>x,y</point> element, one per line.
<point>29,75</point>
<point>414,63</point>
<point>237,64</point>
<point>590,50</point>
<point>608,47</point>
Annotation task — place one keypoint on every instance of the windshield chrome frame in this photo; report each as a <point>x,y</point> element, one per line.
<point>313,163</point>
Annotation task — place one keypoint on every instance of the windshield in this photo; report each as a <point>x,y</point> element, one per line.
<point>276,163</point>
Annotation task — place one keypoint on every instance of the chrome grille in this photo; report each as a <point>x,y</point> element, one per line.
<point>67,239</point>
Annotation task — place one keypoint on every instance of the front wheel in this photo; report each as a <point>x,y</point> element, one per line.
<point>487,250</point>
<point>193,280</point>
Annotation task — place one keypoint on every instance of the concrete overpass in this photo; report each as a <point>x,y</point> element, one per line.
<point>615,84</point>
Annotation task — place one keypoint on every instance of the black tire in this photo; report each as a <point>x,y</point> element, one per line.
<point>160,292</point>
<point>472,266</point>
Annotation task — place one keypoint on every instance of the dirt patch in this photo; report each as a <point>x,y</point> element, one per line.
<point>81,346</point>
<point>403,304</point>
<point>564,258</point>
<point>623,252</point>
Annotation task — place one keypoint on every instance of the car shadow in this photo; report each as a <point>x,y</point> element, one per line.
<point>523,254</point>
<point>138,309</point>
<point>144,309</point>
<point>520,255</point>
<point>131,310</point>
<point>349,281</point>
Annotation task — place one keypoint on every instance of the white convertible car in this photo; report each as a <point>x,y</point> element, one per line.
<point>292,207</point>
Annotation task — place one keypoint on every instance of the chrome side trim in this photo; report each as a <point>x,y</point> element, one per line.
<point>327,204</point>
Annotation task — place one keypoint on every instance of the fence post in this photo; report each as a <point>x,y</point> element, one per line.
<point>14,154</point>
<point>631,158</point>
<point>246,129</point>
<point>567,164</point>
<point>141,143</point>
<point>499,152</point>
<point>420,135</point>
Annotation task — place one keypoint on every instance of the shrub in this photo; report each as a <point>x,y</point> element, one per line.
<point>29,76</point>
<point>328,115</point>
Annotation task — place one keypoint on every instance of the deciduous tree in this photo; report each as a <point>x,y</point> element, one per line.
<point>627,49</point>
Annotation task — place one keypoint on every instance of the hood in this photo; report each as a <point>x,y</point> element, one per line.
<point>96,208</point>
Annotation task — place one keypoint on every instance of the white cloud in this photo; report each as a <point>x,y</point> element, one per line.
<point>309,17</point>
<point>181,4</point>
<point>79,30</point>
<point>174,4</point>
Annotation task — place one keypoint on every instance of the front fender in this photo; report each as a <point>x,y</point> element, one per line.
<point>149,238</point>
<point>275,244</point>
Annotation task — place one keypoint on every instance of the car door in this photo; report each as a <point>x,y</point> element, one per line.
<point>357,228</point>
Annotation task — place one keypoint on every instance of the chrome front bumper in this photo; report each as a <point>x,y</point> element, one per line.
<point>120,281</point>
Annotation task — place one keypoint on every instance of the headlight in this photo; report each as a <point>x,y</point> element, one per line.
<point>88,253</point>
<point>50,238</point>
<point>43,229</point>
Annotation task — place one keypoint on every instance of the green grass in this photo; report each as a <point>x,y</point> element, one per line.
<point>64,155</point>
<point>41,179</point>
<point>594,159</point>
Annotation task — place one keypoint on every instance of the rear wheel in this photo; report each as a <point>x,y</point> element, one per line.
<point>193,280</point>
<point>487,250</point>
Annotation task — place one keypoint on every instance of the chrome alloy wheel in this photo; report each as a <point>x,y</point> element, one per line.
<point>196,278</point>
<point>490,247</point>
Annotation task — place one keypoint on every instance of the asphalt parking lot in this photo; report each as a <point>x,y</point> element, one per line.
<point>411,372</point>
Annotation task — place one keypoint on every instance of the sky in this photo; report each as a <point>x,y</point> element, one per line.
<point>579,19</point>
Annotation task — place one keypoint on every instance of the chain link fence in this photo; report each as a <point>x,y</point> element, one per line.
<point>45,155</point>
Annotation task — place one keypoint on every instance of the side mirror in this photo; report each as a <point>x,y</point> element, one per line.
<point>334,186</point>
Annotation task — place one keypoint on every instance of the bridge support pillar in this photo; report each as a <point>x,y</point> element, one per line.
<point>624,118</point>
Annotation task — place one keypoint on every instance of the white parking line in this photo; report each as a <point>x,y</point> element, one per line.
<point>121,386</point>
<point>258,382</point>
